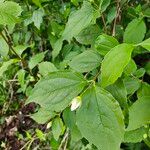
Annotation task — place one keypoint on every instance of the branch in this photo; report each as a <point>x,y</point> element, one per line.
<point>64,141</point>
<point>115,21</point>
<point>9,43</point>
<point>104,22</point>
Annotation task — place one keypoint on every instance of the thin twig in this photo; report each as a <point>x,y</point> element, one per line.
<point>33,139</point>
<point>104,22</point>
<point>28,143</point>
<point>9,43</point>
<point>11,94</point>
<point>10,46</point>
<point>115,21</point>
<point>24,145</point>
<point>8,36</point>
<point>64,140</point>
<point>65,146</point>
<point>13,80</point>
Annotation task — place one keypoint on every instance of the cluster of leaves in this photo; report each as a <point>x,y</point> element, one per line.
<point>84,65</point>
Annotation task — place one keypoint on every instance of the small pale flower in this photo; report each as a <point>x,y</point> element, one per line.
<point>49,125</point>
<point>76,102</point>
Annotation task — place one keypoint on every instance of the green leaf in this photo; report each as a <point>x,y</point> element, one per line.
<point>131,84</point>
<point>36,59</point>
<point>88,35</point>
<point>56,28</point>
<point>135,136</point>
<point>57,48</point>
<point>144,90</point>
<point>86,61</point>
<point>57,128</point>
<point>147,68</point>
<point>37,2</point>
<point>40,135</point>
<point>139,113</point>
<point>104,4</point>
<point>111,14</point>
<point>69,118</point>
<point>20,49</point>
<point>146,44</point>
<point>9,12</point>
<point>42,116</point>
<point>5,66</point>
<point>21,79</point>
<point>130,68</point>
<point>146,12</point>
<point>132,34</point>
<point>46,67</point>
<point>75,2</point>
<point>104,43</point>
<point>4,48</point>
<point>100,119</point>
<point>79,20</point>
<point>114,63</point>
<point>37,17</point>
<point>119,92</point>
<point>56,90</point>
<point>139,73</point>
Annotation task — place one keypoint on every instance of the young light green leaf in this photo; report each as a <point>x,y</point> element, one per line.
<point>37,2</point>
<point>131,84</point>
<point>100,119</point>
<point>86,61</point>
<point>139,73</point>
<point>114,63</point>
<point>132,34</point>
<point>57,89</point>
<point>36,59</point>
<point>130,68</point>
<point>104,4</point>
<point>111,14</point>
<point>139,113</point>
<point>69,118</point>
<point>46,67</point>
<point>40,134</point>
<point>19,49</point>
<point>9,12</point>
<point>5,66</point>
<point>144,90</point>
<point>135,136</point>
<point>146,44</point>
<point>57,128</point>
<point>37,17</point>
<point>104,43</point>
<point>21,79</point>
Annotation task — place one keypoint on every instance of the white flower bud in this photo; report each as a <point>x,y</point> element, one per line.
<point>49,125</point>
<point>76,102</point>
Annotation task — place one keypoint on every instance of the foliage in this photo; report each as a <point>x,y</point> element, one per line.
<point>74,74</point>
